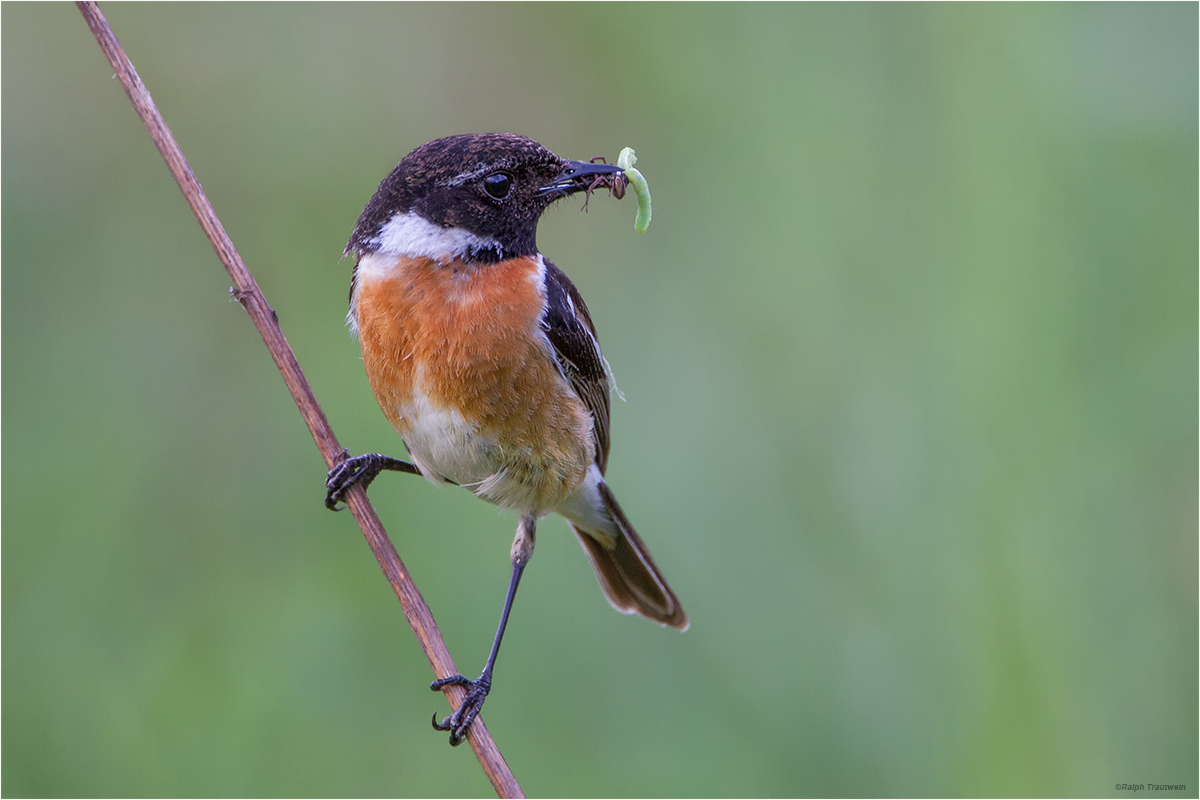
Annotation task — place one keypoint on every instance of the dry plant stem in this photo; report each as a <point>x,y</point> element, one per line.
<point>247,293</point>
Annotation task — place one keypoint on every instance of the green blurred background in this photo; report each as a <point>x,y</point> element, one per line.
<point>910,354</point>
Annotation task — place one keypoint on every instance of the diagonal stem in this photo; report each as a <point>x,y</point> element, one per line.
<point>246,291</point>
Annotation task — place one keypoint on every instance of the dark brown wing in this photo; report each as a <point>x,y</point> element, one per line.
<point>570,331</point>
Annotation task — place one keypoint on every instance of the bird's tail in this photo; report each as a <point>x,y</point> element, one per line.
<point>627,572</point>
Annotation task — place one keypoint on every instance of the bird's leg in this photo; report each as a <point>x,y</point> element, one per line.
<point>477,691</point>
<point>361,470</point>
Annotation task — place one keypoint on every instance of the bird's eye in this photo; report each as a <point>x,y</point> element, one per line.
<point>498,185</point>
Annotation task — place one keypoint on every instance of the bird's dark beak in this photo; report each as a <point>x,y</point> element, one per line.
<point>578,176</point>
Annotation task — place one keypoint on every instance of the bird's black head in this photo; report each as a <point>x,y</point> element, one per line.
<point>477,197</point>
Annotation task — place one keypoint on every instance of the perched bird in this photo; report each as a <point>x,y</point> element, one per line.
<point>483,357</point>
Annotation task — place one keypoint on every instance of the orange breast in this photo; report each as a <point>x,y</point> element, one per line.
<point>466,339</point>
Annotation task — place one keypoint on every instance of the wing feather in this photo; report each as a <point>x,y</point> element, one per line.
<point>569,328</point>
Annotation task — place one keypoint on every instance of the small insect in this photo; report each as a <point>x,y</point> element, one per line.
<point>615,183</point>
<point>617,186</point>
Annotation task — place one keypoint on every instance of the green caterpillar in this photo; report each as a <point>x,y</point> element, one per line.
<point>625,161</point>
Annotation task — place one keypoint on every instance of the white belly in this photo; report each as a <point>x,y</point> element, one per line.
<point>447,447</point>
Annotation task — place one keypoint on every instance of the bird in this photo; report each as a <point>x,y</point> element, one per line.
<point>483,357</point>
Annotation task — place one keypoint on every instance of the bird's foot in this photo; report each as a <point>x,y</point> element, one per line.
<point>360,469</point>
<point>458,722</point>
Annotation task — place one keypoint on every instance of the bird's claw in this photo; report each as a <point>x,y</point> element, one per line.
<point>458,722</point>
<point>360,469</point>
